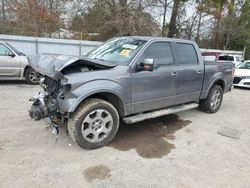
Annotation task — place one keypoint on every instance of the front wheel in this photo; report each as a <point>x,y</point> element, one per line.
<point>213,101</point>
<point>30,76</point>
<point>94,124</point>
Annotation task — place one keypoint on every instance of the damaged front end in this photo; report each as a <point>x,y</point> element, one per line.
<point>45,104</point>
<point>52,71</point>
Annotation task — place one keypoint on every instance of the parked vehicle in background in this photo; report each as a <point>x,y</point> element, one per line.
<point>217,56</point>
<point>128,78</point>
<point>242,75</point>
<point>14,65</point>
<point>210,56</point>
<point>236,59</point>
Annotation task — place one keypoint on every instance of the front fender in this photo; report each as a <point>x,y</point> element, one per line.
<point>91,88</point>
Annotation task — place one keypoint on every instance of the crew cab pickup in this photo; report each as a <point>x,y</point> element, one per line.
<point>127,78</point>
<point>14,65</point>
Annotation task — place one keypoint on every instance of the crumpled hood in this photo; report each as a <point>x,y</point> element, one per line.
<point>52,65</point>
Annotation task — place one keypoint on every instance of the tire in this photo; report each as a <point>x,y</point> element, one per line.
<point>30,77</point>
<point>94,124</point>
<point>213,101</point>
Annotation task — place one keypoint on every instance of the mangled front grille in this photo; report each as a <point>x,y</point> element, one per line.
<point>51,86</point>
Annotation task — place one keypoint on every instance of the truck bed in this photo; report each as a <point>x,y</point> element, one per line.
<point>214,70</point>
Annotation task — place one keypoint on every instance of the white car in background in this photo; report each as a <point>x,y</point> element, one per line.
<point>242,75</point>
<point>236,59</point>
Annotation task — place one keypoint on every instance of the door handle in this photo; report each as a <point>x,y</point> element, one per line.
<point>199,72</point>
<point>174,74</point>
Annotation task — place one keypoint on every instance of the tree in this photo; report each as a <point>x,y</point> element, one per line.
<point>215,9</point>
<point>112,18</point>
<point>222,24</point>
<point>243,30</point>
<point>165,5</point>
<point>3,15</point>
<point>33,16</point>
<point>172,24</point>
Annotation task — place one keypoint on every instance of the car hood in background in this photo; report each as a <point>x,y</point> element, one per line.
<point>52,65</point>
<point>242,72</point>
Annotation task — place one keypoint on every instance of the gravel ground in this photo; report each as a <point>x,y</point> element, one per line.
<point>181,150</point>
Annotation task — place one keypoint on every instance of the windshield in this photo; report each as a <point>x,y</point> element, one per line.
<point>14,49</point>
<point>119,51</point>
<point>245,65</point>
<point>239,59</point>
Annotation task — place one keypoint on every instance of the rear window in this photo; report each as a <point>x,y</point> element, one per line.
<point>186,53</point>
<point>226,58</point>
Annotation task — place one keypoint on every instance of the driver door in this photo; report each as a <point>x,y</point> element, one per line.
<point>9,65</point>
<point>154,89</point>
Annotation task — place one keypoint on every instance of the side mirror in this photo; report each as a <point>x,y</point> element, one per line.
<point>11,54</point>
<point>146,65</point>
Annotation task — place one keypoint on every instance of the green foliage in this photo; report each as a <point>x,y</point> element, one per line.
<point>244,23</point>
<point>116,20</point>
<point>221,24</point>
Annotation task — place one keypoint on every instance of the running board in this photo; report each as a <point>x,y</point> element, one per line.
<point>158,113</point>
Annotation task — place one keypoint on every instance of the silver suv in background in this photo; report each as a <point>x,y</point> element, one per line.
<point>14,65</point>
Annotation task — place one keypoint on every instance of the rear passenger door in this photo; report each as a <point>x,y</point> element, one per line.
<point>154,89</point>
<point>190,73</point>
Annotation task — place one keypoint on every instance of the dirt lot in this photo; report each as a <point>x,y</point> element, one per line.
<point>181,150</point>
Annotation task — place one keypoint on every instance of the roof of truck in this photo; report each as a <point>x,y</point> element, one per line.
<point>149,38</point>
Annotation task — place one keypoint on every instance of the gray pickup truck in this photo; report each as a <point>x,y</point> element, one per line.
<point>127,78</point>
<point>14,65</point>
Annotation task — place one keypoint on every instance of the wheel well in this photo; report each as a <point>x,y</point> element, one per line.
<point>25,69</point>
<point>111,98</point>
<point>220,83</point>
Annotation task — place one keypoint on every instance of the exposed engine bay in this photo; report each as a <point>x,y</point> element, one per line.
<point>80,66</point>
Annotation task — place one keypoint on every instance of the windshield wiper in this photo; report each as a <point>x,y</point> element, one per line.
<point>99,59</point>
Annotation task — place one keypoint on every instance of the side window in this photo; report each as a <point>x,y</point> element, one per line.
<point>161,53</point>
<point>186,53</point>
<point>4,50</point>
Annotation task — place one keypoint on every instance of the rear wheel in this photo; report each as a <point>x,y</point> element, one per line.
<point>30,76</point>
<point>94,124</point>
<point>213,101</point>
